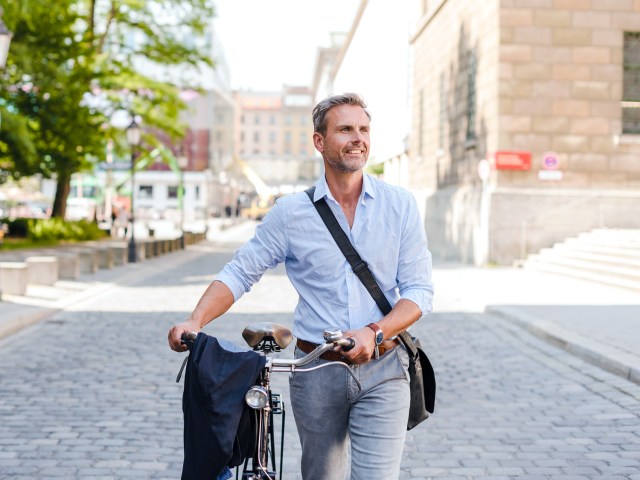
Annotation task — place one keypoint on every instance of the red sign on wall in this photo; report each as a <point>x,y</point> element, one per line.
<point>508,160</point>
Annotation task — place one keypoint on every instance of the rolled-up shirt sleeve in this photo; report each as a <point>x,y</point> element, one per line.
<point>414,265</point>
<point>265,250</point>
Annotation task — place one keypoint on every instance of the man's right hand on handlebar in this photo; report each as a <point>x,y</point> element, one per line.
<point>175,334</point>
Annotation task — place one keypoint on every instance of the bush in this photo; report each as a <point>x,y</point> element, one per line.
<point>51,229</point>
<point>55,229</point>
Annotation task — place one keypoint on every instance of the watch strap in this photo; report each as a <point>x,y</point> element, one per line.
<point>378,331</point>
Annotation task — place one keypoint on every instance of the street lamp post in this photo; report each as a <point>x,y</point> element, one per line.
<point>183,162</point>
<point>133,139</point>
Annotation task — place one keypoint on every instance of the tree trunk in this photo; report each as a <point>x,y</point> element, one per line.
<point>63,187</point>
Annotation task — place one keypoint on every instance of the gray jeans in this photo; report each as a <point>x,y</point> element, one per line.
<point>330,411</point>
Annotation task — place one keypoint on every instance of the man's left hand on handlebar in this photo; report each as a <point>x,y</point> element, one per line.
<point>365,343</point>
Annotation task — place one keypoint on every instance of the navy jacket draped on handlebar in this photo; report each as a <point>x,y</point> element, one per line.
<point>218,425</point>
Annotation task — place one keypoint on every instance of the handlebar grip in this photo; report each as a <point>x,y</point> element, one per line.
<point>187,337</point>
<point>347,344</point>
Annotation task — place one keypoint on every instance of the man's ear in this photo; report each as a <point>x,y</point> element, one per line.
<point>318,142</point>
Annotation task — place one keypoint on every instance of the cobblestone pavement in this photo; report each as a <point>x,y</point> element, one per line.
<point>91,392</point>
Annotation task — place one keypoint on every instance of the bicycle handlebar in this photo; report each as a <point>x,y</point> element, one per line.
<point>286,365</point>
<point>333,339</point>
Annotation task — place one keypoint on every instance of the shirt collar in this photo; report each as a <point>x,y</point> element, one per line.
<point>322,189</point>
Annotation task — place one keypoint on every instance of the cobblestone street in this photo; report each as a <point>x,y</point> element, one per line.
<point>90,393</point>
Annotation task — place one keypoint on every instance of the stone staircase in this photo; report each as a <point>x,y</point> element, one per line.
<point>608,256</point>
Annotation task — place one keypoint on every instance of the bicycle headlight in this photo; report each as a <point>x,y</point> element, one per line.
<point>257,397</point>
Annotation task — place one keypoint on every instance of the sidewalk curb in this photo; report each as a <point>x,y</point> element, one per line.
<point>607,357</point>
<point>25,319</point>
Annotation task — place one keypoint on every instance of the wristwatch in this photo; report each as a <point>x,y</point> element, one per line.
<point>378,338</point>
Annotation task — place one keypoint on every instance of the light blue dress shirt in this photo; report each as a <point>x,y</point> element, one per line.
<point>387,232</point>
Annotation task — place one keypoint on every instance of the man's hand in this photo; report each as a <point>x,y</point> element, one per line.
<point>175,334</point>
<point>362,352</point>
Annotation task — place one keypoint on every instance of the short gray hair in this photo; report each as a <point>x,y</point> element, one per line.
<point>320,111</point>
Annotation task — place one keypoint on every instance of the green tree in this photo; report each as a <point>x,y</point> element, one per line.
<point>74,63</point>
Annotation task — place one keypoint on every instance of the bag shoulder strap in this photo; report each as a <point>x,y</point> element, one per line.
<point>359,266</point>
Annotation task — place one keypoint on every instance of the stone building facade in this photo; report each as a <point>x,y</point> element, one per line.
<point>274,136</point>
<point>525,122</point>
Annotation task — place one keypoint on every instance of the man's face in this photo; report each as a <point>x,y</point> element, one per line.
<point>345,145</point>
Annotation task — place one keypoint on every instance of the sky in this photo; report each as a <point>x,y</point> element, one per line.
<point>270,43</point>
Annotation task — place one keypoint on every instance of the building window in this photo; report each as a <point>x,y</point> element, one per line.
<point>287,137</point>
<point>304,120</point>
<point>631,84</point>
<point>145,191</point>
<point>272,137</point>
<point>288,120</point>
<point>256,120</point>
<point>197,192</point>
<point>172,191</point>
<point>443,111</point>
<point>272,120</point>
<point>303,137</point>
<point>256,136</point>
<point>471,95</point>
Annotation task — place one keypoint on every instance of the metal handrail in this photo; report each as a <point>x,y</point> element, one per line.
<point>524,224</point>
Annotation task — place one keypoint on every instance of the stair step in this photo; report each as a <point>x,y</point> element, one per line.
<point>579,265</point>
<point>603,242</point>
<point>607,256</point>
<point>597,249</point>
<point>595,258</point>
<point>585,275</point>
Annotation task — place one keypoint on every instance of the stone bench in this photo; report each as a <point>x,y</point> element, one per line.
<point>120,252</point>
<point>68,262</point>
<point>43,270</point>
<point>14,277</point>
<point>87,259</point>
<point>68,265</point>
<point>103,252</point>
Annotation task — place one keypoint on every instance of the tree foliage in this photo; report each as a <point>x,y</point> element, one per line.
<point>73,64</point>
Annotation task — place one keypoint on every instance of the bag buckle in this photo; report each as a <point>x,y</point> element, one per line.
<point>359,267</point>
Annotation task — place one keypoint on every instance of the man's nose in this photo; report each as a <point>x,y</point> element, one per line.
<point>357,136</point>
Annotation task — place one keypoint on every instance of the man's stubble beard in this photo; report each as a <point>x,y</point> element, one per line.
<point>347,166</point>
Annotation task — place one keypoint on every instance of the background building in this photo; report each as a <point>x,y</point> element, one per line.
<point>545,91</point>
<point>515,124</point>
<point>274,138</point>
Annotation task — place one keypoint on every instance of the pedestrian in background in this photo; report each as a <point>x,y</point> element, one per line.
<point>383,223</point>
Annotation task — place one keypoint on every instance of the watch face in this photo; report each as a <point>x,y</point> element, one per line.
<point>379,338</point>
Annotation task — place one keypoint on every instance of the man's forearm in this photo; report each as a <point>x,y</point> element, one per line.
<point>215,301</point>
<point>404,314</point>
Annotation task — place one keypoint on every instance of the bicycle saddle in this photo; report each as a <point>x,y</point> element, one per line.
<point>257,332</point>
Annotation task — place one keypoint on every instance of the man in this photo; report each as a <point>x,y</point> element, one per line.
<point>384,226</point>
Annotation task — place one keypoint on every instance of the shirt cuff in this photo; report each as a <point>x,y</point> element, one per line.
<point>424,300</point>
<point>235,285</point>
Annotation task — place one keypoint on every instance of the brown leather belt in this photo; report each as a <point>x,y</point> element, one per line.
<point>333,356</point>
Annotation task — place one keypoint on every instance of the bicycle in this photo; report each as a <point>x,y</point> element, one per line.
<point>267,338</point>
